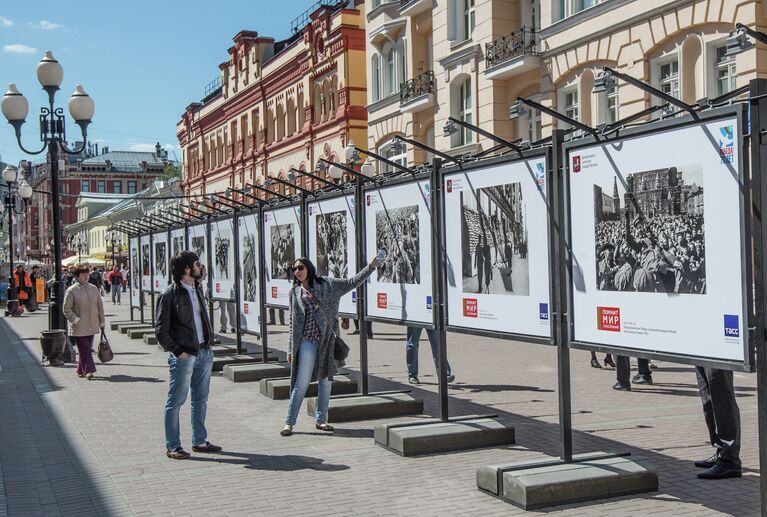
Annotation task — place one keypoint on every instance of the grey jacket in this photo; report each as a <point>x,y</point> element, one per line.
<point>328,294</point>
<point>83,310</point>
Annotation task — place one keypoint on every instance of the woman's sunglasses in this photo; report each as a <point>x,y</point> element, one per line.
<point>298,268</point>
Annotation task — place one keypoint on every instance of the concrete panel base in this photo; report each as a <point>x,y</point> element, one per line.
<point>113,324</point>
<point>224,350</point>
<point>348,408</point>
<point>139,332</point>
<point>589,477</point>
<point>279,389</point>
<point>150,339</point>
<point>221,361</point>
<point>254,372</point>
<point>432,435</point>
<point>123,327</point>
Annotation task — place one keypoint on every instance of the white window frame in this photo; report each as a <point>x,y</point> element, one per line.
<point>714,84</point>
<point>389,74</point>
<point>573,110</point>
<point>461,20</point>
<point>603,104</point>
<point>655,75</point>
<point>461,107</point>
<point>375,68</point>
<point>529,125</point>
<point>386,149</point>
<point>468,18</point>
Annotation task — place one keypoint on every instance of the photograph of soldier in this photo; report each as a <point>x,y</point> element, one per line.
<point>222,248</point>
<point>397,232</point>
<point>160,259</point>
<point>145,259</point>
<point>332,258</point>
<point>283,244</point>
<point>198,247</point>
<point>135,274</point>
<point>649,234</point>
<point>249,271</point>
<point>177,245</point>
<point>494,241</point>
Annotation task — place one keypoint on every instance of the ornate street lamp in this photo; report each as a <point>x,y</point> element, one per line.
<point>10,207</point>
<point>53,135</point>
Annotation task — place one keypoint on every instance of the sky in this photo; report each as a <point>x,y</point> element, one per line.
<point>141,61</point>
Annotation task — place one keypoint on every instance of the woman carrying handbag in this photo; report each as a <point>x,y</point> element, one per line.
<point>84,311</point>
<point>314,332</point>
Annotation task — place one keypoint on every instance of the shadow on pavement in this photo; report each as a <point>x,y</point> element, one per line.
<point>283,463</point>
<point>126,378</point>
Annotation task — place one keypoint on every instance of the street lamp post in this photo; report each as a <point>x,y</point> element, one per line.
<point>9,206</point>
<point>15,108</point>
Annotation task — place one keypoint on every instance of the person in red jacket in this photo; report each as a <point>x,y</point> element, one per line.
<point>115,279</point>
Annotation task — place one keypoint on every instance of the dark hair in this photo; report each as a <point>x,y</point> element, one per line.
<point>181,262</point>
<point>311,272</point>
<point>80,269</point>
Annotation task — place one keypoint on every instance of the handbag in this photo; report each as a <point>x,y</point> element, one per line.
<point>340,348</point>
<point>105,353</point>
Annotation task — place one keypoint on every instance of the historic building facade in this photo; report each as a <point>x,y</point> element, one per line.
<point>280,104</point>
<point>469,59</point>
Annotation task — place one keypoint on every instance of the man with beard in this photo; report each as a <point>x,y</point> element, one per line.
<point>185,332</point>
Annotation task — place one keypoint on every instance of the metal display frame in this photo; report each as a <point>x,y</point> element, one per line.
<point>454,170</point>
<point>131,270</point>
<point>302,238</point>
<point>167,259</point>
<point>211,264</point>
<point>256,213</point>
<point>738,112</point>
<point>395,182</point>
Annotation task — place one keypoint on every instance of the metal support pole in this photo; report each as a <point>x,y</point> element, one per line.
<point>262,284</point>
<point>56,308</point>
<point>758,110</point>
<point>12,304</point>
<point>237,276</point>
<point>140,276</point>
<point>359,230</point>
<point>438,293</point>
<point>151,276</point>
<point>558,262</point>
<point>209,277</point>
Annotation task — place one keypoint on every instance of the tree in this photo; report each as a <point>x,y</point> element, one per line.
<point>172,170</point>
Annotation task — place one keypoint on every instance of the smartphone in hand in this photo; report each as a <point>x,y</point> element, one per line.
<point>381,255</point>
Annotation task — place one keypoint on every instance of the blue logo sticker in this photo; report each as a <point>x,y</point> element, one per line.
<point>543,311</point>
<point>540,176</point>
<point>726,143</point>
<point>354,296</point>
<point>428,302</point>
<point>731,325</point>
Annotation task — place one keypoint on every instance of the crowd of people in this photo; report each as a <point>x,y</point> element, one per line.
<point>282,249</point>
<point>397,234</point>
<point>331,245</point>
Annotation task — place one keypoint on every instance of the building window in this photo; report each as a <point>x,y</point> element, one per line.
<point>117,187</point>
<point>607,103</point>
<point>726,75</point>
<point>669,78</point>
<point>395,153</point>
<point>131,187</point>
<point>530,127</point>
<point>564,8</point>
<point>570,107</point>
<point>468,18</point>
<point>390,60</point>
<point>85,186</point>
<point>461,108</point>
<point>376,76</point>
<point>101,186</point>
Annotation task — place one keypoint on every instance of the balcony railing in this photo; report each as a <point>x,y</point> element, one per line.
<point>421,84</point>
<point>525,41</point>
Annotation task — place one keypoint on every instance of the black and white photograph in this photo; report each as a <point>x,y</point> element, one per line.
<point>282,241</point>
<point>649,232</point>
<point>135,274</point>
<point>198,247</point>
<point>494,241</point>
<point>145,260</point>
<point>249,270</point>
<point>177,244</point>
<point>160,258</point>
<point>397,232</point>
<point>332,248</point>
<point>222,247</point>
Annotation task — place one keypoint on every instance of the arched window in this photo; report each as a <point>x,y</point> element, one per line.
<point>376,76</point>
<point>461,107</point>
<point>269,126</point>
<point>327,97</point>
<point>317,103</point>
<point>389,72</point>
<point>395,152</point>
<point>301,111</point>
<point>334,96</point>
<point>280,122</point>
<point>291,116</point>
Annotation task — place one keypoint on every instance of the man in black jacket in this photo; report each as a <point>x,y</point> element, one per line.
<point>184,331</point>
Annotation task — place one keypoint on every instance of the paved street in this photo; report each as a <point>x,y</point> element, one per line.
<point>74,447</point>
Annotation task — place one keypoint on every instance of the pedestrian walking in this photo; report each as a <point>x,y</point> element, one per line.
<point>411,353</point>
<point>722,414</point>
<point>272,314</point>
<point>185,332</point>
<point>226,307</point>
<point>623,371</point>
<point>313,302</point>
<point>23,287</point>
<point>115,279</point>
<point>84,311</point>
<point>105,281</point>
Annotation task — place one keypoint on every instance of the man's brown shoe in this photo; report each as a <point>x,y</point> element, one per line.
<point>208,447</point>
<point>178,454</point>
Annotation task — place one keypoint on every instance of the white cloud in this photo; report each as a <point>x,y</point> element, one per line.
<point>45,25</point>
<point>5,22</point>
<point>150,148</point>
<point>18,48</point>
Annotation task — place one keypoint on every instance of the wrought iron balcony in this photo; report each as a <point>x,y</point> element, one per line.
<point>421,84</point>
<point>524,42</point>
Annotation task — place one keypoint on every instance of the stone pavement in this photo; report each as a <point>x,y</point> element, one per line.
<point>73,447</point>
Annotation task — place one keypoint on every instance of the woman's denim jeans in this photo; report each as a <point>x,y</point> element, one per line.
<point>192,372</point>
<point>307,356</point>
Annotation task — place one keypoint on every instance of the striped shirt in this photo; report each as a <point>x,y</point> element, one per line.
<point>311,325</point>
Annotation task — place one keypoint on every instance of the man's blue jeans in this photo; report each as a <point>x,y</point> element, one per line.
<point>192,372</point>
<point>411,352</point>
<point>307,356</point>
<point>115,293</point>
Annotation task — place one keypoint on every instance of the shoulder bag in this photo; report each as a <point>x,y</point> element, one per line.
<point>340,348</point>
<point>105,353</point>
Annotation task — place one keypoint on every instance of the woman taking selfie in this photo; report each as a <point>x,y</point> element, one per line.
<point>313,305</point>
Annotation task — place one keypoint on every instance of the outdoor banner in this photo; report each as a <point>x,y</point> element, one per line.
<point>282,245</point>
<point>146,263</point>
<point>135,272</point>
<point>40,290</point>
<point>496,240</point>
<point>398,220</point>
<point>177,241</point>
<point>160,266</point>
<point>333,243</point>
<point>222,270</point>
<point>249,245</point>
<point>657,240</point>
<point>198,243</point>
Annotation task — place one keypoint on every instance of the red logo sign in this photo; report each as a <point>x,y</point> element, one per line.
<point>382,301</point>
<point>246,308</point>
<point>449,186</point>
<point>274,292</point>
<point>218,287</point>
<point>367,199</point>
<point>157,283</point>
<point>609,318</point>
<point>576,164</point>
<point>470,309</point>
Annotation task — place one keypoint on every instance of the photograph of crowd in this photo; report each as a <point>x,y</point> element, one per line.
<point>650,234</point>
<point>222,248</point>
<point>177,245</point>
<point>145,259</point>
<point>494,241</point>
<point>198,247</point>
<point>136,268</point>
<point>283,248</point>
<point>249,270</point>
<point>161,259</point>
<point>332,258</point>
<point>397,232</point>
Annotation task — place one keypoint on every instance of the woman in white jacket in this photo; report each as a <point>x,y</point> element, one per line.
<point>84,311</point>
